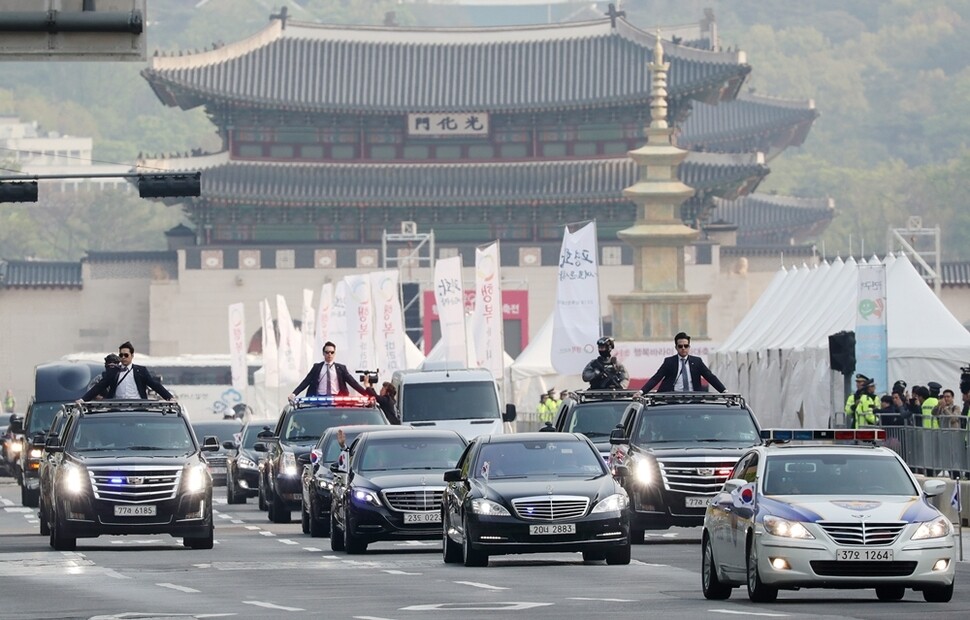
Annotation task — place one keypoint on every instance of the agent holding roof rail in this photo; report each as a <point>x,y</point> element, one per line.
<point>328,378</point>
<point>126,381</point>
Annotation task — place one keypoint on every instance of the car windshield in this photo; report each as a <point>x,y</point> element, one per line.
<point>131,432</point>
<point>331,449</point>
<point>418,453</point>
<point>521,459</point>
<point>836,474</point>
<point>679,424</point>
<point>309,424</point>
<point>41,416</point>
<point>595,419</point>
<point>251,435</point>
<point>223,431</point>
<point>459,400</point>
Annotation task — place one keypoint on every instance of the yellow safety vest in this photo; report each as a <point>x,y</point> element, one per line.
<point>930,420</point>
<point>863,412</point>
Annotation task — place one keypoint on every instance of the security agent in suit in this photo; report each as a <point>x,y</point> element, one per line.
<point>328,377</point>
<point>671,376</point>
<point>126,381</point>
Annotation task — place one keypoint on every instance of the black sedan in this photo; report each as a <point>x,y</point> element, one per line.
<point>242,463</point>
<point>318,479</point>
<point>390,486</point>
<point>224,430</point>
<point>533,493</point>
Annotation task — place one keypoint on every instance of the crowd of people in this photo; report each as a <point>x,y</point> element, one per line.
<point>927,406</point>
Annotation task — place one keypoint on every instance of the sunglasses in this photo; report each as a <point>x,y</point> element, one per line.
<point>329,352</point>
<point>124,355</point>
<point>683,346</point>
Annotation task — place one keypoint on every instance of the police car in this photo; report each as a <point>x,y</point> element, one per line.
<point>826,515</point>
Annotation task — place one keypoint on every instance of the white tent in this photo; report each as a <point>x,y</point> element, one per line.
<point>778,355</point>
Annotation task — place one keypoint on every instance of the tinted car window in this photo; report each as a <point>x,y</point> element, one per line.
<point>41,416</point>
<point>538,458</point>
<point>683,424</point>
<point>460,400</point>
<point>436,453</point>
<point>223,431</point>
<point>836,474</point>
<point>595,419</point>
<point>251,436</point>
<point>306,424</point>
<point>133,432</point>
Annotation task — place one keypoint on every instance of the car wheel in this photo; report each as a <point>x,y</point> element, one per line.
<point>231,496</point>
<point>336,535</point>
<point>352,543</point>
<point>318,527</point>
<point>201,542</point>
<point>470,556</point>
<point>758,592</point>
<point>938,594</point>
<point>593,556</point>
<point>304,519</point>
<point>45,528</point>
<point>451,552</point>
<point>277,510</point>
<point>28,497</point>
<point>619,556</point>
<point>58,540</point>
<point>261,493</point>
<point>636,535</point>
<point>710,583</point>
<point>890,593</point>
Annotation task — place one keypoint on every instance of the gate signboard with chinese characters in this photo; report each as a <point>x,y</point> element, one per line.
<point>463,124</point>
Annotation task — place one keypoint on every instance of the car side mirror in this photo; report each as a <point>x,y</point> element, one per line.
<point>453,475</point>
<point>509,413</point>
<point>260,447</point>
<point>229,445</point>
<point>16,425</point>
<point>303,459</point>
<point>53,444</point>
<point>733,485</point>
<point>618,437</point>
<point>38,440</point>
<point>335,468</point>
<point>934,487</point>
<point>210,444</point>
<point>621,471</point>
<point>263,434</point>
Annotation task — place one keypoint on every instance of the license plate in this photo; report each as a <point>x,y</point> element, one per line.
<point>142,510</point>
<point>864,555</point>
<point>422,517</point>
<point>696,502</point>
<point>217,470</point>
<point>552,528</point>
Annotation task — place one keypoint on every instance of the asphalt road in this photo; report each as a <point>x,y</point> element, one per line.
<point>263,570</point>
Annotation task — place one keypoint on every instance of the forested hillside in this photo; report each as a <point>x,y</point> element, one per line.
<point>889,77</point>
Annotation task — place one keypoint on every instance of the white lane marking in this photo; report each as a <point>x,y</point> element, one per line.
<point>399,572</point>
<point>311,549</point>
<point>639,563</point>
<point>746,613</point>
<point>202,565</point>
<point>371,618</point>
<point>225,516</point>
<point>331,557</point>
<point>115,574</point>
<point>484,586</point>
<point>253,527</point>
<point>416,543</point>
<point>19,509</point>
<point>238,521</point>
<point>287,541</point>
<point>214,615</point>
<point>271,606</point>
<point>265,533</point>
<point>6,502</point>
<point>148,541</point>
<point>508,606</point>
<point>173,586</point>
<point>608,600</point>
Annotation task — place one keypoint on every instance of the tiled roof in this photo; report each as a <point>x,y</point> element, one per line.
<point>767,218</point>
<point>128,257</point>
<point>358,69</point>
<point>542,182</point>
<point>954,273</point>
<point>40,274</point>
<point>767,250</point>
<point>750,123</point>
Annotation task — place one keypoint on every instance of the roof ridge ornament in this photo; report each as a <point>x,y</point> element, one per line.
<point>282,16</point>
<point>658,90</point>
<point>614,13</point>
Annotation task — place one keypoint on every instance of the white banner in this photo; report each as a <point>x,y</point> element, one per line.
<point>307,337</point>
<point>337,327</point>
<point>289,344</point>
<point>451,309</point>
<point>487,324</point>
<point>237,348</point>
<point>271,363</point>
<point>322,331</point>
<point>871,346</point>
<point>389,328</point>
<point>576,317</point>
<point>359,353</point>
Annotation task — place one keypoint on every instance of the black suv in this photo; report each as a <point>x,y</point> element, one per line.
<point>594,413</point>
<point>128,467</point>
<point>299,427</point>
<point>678,450</point>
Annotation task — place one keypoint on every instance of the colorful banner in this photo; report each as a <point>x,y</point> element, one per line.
<point>289,344</point>
<point>237,347</point>
<point>307,328</point>
<point>359,352</point>
<point>322,332</point>
<point>576,317</point>
<point>337,326</point>
<point>451,309</point>
<point>871,341</point>
<point>487,324</point>
<point>271,363</point>
<point>515,312</point>
<point>390,322</point>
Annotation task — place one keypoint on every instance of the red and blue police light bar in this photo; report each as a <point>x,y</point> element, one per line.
<point>823,434</point>
<point>336,401</point>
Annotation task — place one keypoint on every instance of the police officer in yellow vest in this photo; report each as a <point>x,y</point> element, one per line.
<point>546,409</point>
<point>860,406</point>
<point>930,401</point>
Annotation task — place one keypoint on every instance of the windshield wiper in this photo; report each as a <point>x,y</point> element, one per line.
<point>302,437</point>
<point>595,434</point>
<point>147,448</point>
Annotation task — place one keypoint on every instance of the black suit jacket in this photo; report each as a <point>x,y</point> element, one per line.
<point>144,379</point>
<point>666,376</point>
<point>344,378</point>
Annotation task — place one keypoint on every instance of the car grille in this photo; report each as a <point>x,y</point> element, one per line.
<point>835,568</point>
<point>216,460</point>
<point>419,499</point>
<point>135,484</point>
<point>695,476</point>
<point>551,507</point>
<point>862,533</point>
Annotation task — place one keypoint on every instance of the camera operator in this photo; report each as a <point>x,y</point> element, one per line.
<point>385,399</point>
<point>604,372</point>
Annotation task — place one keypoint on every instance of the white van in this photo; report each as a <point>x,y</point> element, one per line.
<point>465,400</point>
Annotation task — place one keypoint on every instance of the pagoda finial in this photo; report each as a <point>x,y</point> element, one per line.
<point>658,89</point>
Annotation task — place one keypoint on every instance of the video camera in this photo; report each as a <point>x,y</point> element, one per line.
<point>368,376</point>
<point>964,379</point>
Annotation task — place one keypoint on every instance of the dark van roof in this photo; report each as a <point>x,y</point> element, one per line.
<point>64,381</point>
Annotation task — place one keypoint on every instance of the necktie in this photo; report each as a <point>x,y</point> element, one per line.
<point>683,375</point>
<point>329,389</point>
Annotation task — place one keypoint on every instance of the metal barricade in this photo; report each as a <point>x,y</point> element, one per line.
<point>931,451</point>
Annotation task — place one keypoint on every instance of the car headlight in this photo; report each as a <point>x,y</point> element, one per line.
<point>937,528</point>
<point>325,485</point>
<point>36,453</point>
<point>365,496</point>
<point>644,470</point>
<point>195,478</point>
<point>73,479</point>
<point>244,463</point>
<point>612,503</point>
<point>289,464</point>
<point>776,526</point>
<point>490,508</point>
<point>16,447</point>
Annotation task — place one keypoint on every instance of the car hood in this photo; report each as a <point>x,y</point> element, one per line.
<point>432,478</point>
<point>298,448</point>
<point>872,508</point>
<point>687,449</point>
<point>514,488</point>
<point>123,459</point>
